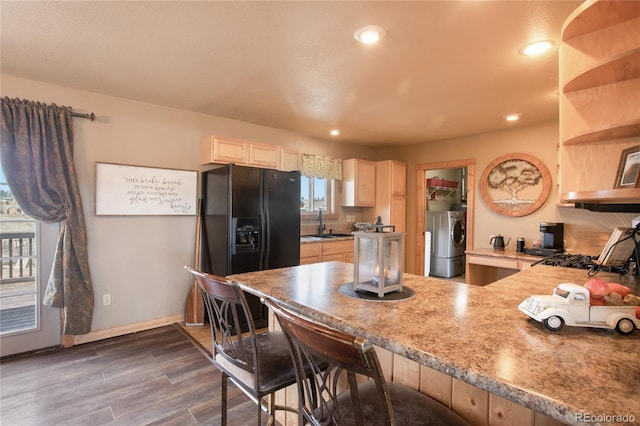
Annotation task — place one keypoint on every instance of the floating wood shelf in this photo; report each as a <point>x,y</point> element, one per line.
<point>599,109</point>
<point>625,66</point>
<point>629,129</point>
<point>594,15</point>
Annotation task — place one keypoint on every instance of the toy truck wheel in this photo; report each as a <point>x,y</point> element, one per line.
<point>554,323</point>
<point>625,326</point>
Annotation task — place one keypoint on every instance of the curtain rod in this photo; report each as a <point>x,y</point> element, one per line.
<point>91,116</point>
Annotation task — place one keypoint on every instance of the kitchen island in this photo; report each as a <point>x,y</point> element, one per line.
<point>477,335</point>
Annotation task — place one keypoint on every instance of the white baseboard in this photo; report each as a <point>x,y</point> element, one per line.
<point>126,329</point>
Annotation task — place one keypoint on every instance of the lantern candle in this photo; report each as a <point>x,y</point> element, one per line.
<point>379,259</point>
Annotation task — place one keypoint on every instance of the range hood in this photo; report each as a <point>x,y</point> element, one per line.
<point>609,208</point>
<point>623,200</point>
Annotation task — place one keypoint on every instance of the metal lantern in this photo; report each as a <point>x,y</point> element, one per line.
<point>378,261</point>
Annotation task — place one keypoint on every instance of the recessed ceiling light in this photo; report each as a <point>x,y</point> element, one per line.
<point>370,34</point>
<point>512,117</point>
<point>334,132</point>
<point>537,47</point>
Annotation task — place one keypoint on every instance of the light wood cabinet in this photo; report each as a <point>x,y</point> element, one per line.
<point>223,150</point>
<point>289,160</point>
<point>261,155</point>
<point>341,251</point>
<point>391,190</point>
<point>359,183</point>
<point>599,108</point>
<point>337,251</point>
<point>310,253</point>
<point>215,149</point>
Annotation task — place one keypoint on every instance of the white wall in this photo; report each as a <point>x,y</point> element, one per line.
<point>139,259</point>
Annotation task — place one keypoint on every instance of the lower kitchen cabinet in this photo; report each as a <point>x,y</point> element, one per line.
<point>341,251</point>
<point>310,253</point>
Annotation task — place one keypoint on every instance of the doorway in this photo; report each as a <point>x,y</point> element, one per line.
<point>27,255</point>
<point>423,195</point>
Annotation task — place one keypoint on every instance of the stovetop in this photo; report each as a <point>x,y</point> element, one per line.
<point>579,261</point>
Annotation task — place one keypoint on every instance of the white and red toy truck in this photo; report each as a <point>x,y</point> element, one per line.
<point>570,305</point>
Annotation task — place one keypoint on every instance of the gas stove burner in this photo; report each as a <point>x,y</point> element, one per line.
<point>578,261</point>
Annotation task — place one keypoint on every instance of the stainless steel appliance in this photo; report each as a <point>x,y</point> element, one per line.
<point>447,243</point>
<point>251,222</point>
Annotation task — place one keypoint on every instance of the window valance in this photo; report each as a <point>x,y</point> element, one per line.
<point>321,167</point>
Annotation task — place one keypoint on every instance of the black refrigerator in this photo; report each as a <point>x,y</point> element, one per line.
<point>251,222</point>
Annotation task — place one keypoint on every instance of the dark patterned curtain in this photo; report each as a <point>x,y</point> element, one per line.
<point>36,151</point>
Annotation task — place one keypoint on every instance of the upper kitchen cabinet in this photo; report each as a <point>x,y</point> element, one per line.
<point>391,193</point>
<point>599,107</point>
<point>215,149</point>
<point>289,160</point>
<point>359,183</point>
<point>267,156</point>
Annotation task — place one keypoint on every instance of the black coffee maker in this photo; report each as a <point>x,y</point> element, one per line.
<point>552,236</point>
<point>551,240</point>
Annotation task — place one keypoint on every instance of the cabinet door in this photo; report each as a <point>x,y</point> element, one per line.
<point>398,212</point>
<point>264,156</point>
<point>338,257</point>
<point>289,160</point>
<point>337,250</point>
<point>223,150</point>
<point>398,178</point>
<point>359,182</point>
<point>310,253</point>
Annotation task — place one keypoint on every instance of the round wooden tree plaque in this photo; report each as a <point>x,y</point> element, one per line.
<point>515,184</point>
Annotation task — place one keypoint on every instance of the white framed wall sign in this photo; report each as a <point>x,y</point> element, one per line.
<point>137,190</point>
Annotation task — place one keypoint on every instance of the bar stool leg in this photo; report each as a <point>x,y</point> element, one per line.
<point>223,391</point>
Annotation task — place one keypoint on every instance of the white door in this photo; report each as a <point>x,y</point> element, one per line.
<point>27,255</point>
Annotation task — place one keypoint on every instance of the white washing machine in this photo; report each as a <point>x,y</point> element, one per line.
<point>448,242</point>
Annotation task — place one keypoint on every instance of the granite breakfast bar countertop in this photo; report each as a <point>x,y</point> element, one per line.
<point>477,335</point>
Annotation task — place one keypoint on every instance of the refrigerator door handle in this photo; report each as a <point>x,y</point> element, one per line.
<point>264,218</point>
<point>266,242</point>
<point>234,226</point>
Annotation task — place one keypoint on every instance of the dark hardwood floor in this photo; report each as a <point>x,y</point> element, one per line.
<point>153,377</point>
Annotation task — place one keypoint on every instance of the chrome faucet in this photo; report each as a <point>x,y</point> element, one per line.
<point>322,227</point>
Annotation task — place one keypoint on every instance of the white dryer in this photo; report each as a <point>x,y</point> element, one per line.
<point>448,243</point>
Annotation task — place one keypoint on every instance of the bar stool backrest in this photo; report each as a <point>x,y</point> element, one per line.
<point>227,308</point>
<point>313,344</point>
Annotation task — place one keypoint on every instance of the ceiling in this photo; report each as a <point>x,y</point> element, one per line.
<point>445,68</point>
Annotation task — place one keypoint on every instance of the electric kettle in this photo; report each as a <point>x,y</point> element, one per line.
<point>498,242</point>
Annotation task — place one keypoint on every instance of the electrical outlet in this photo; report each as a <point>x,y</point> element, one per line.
<point>106,299</point>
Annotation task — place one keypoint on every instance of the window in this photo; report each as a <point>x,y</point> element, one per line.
<point>18,287</point>
<point>315,194</point>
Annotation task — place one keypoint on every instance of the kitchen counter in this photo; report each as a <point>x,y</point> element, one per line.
<point>477,335</point>
<point>507,253</point>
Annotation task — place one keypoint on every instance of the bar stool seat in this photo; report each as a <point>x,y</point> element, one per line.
<point>409,406</point>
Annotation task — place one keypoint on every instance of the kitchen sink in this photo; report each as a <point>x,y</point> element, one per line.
<point>330,235</point>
